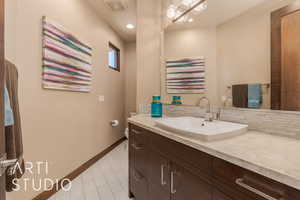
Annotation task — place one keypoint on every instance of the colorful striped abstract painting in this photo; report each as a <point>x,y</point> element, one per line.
<point>67,62</point>
<point>185,76</point>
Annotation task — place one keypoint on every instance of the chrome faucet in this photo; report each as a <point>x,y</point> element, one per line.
<point>208,115</point>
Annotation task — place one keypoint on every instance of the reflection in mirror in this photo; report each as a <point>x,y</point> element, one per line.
<point>286,58</point>
<point>223,52</point>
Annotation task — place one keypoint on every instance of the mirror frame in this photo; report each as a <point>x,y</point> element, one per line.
<point>276,52</point>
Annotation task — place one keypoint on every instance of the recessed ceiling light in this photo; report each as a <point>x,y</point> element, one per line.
<point>130,26</point>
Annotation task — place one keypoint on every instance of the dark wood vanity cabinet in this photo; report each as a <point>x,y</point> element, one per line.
<point>163,169</point>
<point>138,164</point>
<point>187,185</point>
<point>217,195</point>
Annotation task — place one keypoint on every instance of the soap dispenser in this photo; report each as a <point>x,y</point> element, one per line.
<point>156,107</point>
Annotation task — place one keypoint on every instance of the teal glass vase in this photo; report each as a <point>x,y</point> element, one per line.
<point>156,107</point>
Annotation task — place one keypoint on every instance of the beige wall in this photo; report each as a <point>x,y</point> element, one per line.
<point>193,43</point>
<point>131,78</point>
<point>149,44</point>
<point>244,48</point>
<point>65,128</point>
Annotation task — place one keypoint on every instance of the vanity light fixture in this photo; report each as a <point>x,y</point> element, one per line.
<point>203,6</point>
<point>130,26</point>
<point>179,12</point>
<point>188,2</point>
<point>171,11</point>
<point>190,20</point>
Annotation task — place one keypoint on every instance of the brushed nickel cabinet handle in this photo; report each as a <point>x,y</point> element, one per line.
<point>162,169</point>
<point>241,183</point>
<point>136,132</point>
<point>173,190</point>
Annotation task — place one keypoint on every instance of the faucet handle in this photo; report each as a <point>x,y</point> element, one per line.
<point>209,117</point>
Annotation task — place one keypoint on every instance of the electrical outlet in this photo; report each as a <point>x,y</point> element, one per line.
<point>101,98</point>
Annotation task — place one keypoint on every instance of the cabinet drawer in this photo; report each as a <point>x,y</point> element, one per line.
<point>245,182</point>
<point>140,136</point>
<point>192,159</point>
<point>138,149</point>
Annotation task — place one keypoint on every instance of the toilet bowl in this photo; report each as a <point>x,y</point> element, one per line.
<point>127,133</point>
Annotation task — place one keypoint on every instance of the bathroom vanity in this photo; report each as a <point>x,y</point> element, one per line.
<point>165,165</point>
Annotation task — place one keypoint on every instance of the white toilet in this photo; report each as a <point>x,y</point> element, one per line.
<point>127,129</point>
<point>127,133</point>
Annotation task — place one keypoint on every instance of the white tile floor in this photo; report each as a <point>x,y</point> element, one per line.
<point>105,180</point>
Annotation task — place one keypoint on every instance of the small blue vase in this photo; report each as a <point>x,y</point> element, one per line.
<point>156,107</point>
<point>176,100</point>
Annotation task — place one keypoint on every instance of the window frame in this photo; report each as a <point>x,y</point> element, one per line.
<point>112,46</point>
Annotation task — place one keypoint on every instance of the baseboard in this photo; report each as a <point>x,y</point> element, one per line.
<point>47,194</point>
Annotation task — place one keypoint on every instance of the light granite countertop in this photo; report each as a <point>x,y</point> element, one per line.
<point>272,156</point>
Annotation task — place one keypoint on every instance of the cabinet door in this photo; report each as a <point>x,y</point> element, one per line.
<point>186,185</point>
<point>159,177</point>
<point>139,148</point>
<point>220,196</point>
<point>140,173</point>
<point>139,186</point>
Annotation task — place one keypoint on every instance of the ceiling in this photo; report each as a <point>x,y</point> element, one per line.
<point>118,19</point>
<point>218,11</point>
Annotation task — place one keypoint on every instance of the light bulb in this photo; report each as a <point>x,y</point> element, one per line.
<point>171,12</point>
<point>183,19</point>
<point>130,26</point>
<point>191,20</point>
<point>201,7</point>
<point>188,3</point>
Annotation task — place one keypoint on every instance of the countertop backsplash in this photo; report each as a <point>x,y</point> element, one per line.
<point>283,123</point>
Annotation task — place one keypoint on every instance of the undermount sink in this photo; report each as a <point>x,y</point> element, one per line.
<point>200,129</point>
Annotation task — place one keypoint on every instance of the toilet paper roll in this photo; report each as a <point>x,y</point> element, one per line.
<point>114,123</point>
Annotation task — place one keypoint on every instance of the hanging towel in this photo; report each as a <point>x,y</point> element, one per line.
<point>8,115</point>
<point>240,96</point>
<point>13,134</point>
<point>255,98</point>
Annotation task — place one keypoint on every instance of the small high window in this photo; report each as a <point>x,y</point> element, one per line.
<point>114,57</point>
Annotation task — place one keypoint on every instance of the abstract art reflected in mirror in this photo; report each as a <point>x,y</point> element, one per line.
<point>185,76</point>
<point>67,61</point>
